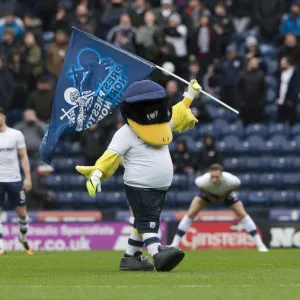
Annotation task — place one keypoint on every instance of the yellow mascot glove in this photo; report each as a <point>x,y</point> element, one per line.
<point>93,185</point>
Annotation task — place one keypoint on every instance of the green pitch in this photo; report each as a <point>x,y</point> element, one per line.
<point>202,275</point>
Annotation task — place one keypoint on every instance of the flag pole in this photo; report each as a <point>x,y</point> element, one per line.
<point>203,92</point>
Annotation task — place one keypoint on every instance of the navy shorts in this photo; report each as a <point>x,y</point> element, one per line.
<point>146,205</point>
<point>231,199</point>
<point>15,193</point>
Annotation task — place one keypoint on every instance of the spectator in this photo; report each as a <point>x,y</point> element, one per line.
<point>33,56</point>
<point>10,21</point>
<point>290,48</point>
<point>202,39</point>
<point>40,197</point>
<point>41,99</point>
<point>194,11</point>
<point>164,12</point>
<point>123,35</point>
<point>8,45</point>
<point>229,70</point>
<point>292,23</point>
<point>92,143</point>
<point>208,155</point>
<point>268,14</point>
<point>145,34</point>
<point>111,16</point>
<point>251,90</point>
<point>33,131</point>
<point>6,86</point>
<point>34,25</point>
<point>173,91</point>
<point>83,19</point>
<point>222,29</point>
<point>182,158</point>
<point>137,14</point>
<point>56,52</point>
<point>60,20</point>
<point>194,71</point>
<point>210,81</point>
<point>289,89</point>
<point>176,34</point>
<point>21,76</point>
<point>242,11</point>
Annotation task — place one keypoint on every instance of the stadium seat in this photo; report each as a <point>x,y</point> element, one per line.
<point>291,180</point>
<point>191,186</point>
<point>295,130</point>
<point>243,195</point>
<point>279,129</point>
<point>171,200</point>
<point>271,95</point>
<point>259,198</point>
<point>184,198</point>
<point>75,149</point>
<point>256,129</point>
<point>241,148</point>
<point>248,180</point>
<point>268,50</point>
<point>88,202</point>
<point>54,182</point>
<point>234,164</point>
<point>110,184</point>
<point>67,164</point>
<point>67,199</point>
<point>297,198</point>
<point>282,198</point>
<point>253,164</point>
<point>280,163</point>
<point>256,144</point>
<point>206,129</point>
<point>276,142</point>
<point>272,65</point>
<point>114,199</point>
<point>75,182</point>
<point>270,180</point>
<point>272,82</point>
<point>270,112</point>
<point>291,147</point>
<point>179,182</point>
<point>235,129</point>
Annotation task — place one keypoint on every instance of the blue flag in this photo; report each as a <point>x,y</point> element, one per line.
<point>94,76</point>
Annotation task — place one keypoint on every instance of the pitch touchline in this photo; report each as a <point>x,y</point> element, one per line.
<point>138,286</point>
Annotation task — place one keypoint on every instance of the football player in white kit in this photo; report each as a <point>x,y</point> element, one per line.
<point>216,186</point>
<point>12,144</point>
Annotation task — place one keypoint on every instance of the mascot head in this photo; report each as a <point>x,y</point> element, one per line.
<point>147,109</point>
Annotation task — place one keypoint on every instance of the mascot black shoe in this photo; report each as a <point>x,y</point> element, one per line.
<point>138,262</point>
<point>142,144</point>
<point>167,258</point>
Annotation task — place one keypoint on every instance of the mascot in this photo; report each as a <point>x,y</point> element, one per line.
<point>142,143</point>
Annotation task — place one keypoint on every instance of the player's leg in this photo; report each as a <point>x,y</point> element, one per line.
<point>16,195</point>
<point>249,225</point>
<point>197,205</point>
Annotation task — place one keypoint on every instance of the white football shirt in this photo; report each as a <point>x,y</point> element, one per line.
<point>229,181</point>
<point>145,166</point>
<point>11,140</point>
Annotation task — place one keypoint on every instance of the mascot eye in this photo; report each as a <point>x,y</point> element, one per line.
<point>152,115</point>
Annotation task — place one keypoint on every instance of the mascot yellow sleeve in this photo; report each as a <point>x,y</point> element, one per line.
<point>107,164</point>
<point>182,117</point>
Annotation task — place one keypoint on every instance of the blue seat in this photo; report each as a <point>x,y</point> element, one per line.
<point>88,202</point>
<point>279,129</point>
<point>295,130</point>
<point>297,198</point>
<point>184,198</point>
<point>243,195</point>
<point>75,149</point>
<point>67,199</point>
<point>259,198</point>
<point>110,184</point>
<point>62,148</point>
<point>297,139</point>
<point>114,199</point>
<point>298,113</point>
<point>282,198</point>
<point>271,95</point>
<point>227,145</point>
<point>291,147</point>
<point>277,142</point>
<point>54,182</point>
<point>191,186</point>
<point>256,144</point>
<point>179,182</point>
<point>272,65</point>
<point>270,180</point>
<point>272,82</point>
<point>75,182</point>
<point>234,164</point>
<point>248,180</point>
<point>280,163</point>
<point>242,148</point>
<point>235,129</point>
<point>206,129</point>
<point>171,200</point>
<point>270,112</point>
<point>256,129</point>
<point>67,164</point>
<point>291,180</point>
<point>296,163</point>
<point>256,164</point>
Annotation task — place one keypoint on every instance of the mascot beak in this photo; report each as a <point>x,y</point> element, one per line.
<point>154,134</point>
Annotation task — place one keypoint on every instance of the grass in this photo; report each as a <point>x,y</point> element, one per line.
<point>214,274</point>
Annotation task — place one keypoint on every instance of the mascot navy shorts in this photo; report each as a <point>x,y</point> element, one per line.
<point>146,205</point>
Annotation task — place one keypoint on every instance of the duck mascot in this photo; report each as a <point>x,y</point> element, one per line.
<point>142,144</point>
